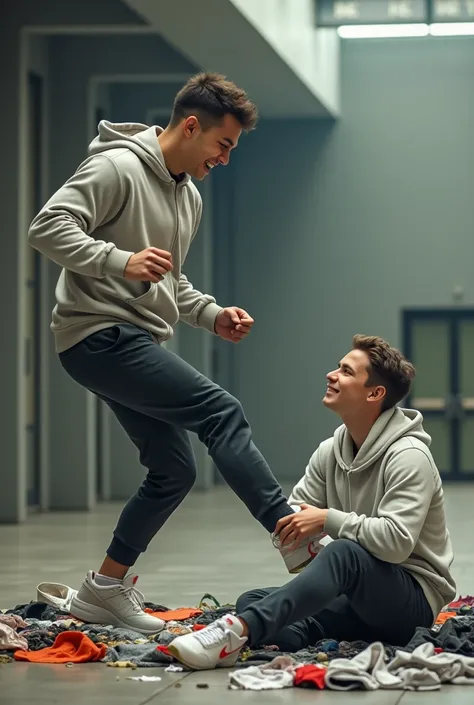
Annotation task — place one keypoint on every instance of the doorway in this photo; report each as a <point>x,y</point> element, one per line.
<point>33,292</point>
<point>440,343</point>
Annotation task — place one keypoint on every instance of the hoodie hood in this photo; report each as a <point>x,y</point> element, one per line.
<point>138,138</point>
<point>392,425</point>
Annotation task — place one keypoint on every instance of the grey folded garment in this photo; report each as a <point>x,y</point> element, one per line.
<point>447,667</point>
<point>422,669</point>
<point>367,670</point>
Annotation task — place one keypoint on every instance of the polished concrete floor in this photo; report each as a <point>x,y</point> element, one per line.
<point>212,545</point>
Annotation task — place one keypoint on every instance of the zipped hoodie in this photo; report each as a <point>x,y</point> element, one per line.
<point>121,200</point>
<point>388,498</point>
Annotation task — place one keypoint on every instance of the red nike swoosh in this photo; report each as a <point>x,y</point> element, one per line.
<point>225,653</point>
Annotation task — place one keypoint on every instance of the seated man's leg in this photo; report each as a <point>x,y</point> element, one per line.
<point>383,596</point>
<point>389,603</point>
<point>291,638</point>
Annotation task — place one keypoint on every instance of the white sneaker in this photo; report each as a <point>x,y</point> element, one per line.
<point>120,605</point>
<point>56,594</point>
<point>298,558</point>
<point>217,645</point>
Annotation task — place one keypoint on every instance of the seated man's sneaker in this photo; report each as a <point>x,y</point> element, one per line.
<point>217,645</point>
<point>120,605</point>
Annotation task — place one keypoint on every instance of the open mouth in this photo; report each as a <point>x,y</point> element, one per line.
<point>209,165</point>
<point>331,390</point>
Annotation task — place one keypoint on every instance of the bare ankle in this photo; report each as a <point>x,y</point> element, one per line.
<point>112,569</point>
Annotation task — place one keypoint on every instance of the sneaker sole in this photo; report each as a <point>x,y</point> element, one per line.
<point>300,567</point>
<point>175,652</point>
<point>98,615</point>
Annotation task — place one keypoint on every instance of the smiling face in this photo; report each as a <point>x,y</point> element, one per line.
<point>206,149</point>
<point>346,391</point>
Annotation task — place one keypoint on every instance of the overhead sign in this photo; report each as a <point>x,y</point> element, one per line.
<point>452,11</point>
<point>334,13</point>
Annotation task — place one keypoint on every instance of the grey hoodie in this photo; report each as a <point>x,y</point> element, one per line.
<point>388,498</point>
<point>121,200</point>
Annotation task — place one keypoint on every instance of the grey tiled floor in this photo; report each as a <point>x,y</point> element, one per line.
<point>211,544</point>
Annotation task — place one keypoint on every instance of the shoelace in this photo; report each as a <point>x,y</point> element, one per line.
<point>137,597</point>
<point>211,636</point>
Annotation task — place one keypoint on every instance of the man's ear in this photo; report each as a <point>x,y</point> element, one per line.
<point>191,126</point>
<point>377,394</point>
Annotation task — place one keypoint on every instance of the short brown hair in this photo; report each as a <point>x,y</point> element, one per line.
<point>211,96</point>
<point>388,368</point>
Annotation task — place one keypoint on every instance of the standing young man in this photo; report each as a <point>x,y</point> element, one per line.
<point>375,489</point>
<point>120,228</point>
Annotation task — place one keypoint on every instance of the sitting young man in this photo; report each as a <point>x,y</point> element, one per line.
<point>375,489</point>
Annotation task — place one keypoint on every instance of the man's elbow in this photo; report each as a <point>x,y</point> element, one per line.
<point>399,551</point>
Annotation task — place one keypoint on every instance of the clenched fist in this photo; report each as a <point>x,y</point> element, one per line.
<point>149,265</point>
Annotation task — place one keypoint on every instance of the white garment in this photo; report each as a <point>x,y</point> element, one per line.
<point>279,673</point>
<point>423,669</point>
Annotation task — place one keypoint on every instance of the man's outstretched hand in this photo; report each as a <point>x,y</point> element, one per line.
<point>233,324</point>
<point>301,525</point>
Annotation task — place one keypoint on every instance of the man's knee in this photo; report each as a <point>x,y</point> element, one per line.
<point>181,478</point>
<point>345,549</point>
<point>247,598</point>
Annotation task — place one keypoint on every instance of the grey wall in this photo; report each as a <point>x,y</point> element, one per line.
<point>337,227</point>
<point>23,13</point>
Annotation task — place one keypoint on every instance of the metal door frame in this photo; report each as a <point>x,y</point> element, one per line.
<point>450,315</point>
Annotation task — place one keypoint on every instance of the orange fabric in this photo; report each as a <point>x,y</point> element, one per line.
<point>198,627</point>
<point>176,615</point>
<point>74,647</point>
<point>444,616</point>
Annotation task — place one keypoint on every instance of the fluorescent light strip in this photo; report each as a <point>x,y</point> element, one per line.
<point>382,30</point>
<point>451,29</point>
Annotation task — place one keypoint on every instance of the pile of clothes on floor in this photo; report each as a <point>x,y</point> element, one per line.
<point>43,631</point>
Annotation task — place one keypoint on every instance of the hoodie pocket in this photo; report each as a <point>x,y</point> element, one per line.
<point>144,300</point>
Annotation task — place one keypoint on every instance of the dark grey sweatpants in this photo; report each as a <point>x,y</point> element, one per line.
<point>344,594</point>
<point>157,398</point>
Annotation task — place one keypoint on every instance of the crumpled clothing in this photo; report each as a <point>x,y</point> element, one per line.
<point>13,621</point>
<point>10,640</point>
<point>142,655</point>
<point>175,615</point>
<point>422,669</point>
<point>455,636</point>
<point>310,676</point>
<point>444,616</point>
<point>111,636</point>
<point>39,638</point>
<point>322,653</point>
<point>366,671</point>
<point>462,602</point>
<point>278,674</point>
<point>37,610</point>
<point>74,647</point>
<point>423,666</point>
